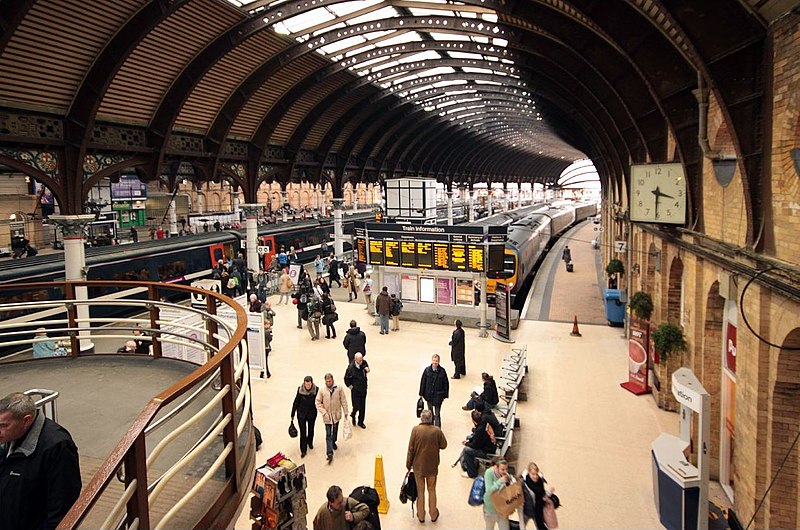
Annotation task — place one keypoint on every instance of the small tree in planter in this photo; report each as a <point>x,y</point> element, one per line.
<point>614,268</point>
<point>668,339</point>
<point>641,305</point>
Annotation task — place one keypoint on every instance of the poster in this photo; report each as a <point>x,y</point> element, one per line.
<point>638,350</point>
<point>408,287</point>
<point>444,291</point>
<point>501,309</point>
<point>427,289</point>
<point>294,272</point>
<point>465,293</point>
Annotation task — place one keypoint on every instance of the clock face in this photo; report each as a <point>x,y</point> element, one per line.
<point>658,193</point>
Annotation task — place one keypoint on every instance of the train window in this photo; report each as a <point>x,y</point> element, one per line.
<point>218,255</point>
<point>171,270</point>
<point>18,297</point>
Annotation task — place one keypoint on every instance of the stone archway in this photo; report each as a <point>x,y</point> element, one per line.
<point>710,369</point>
<point>785,417</point>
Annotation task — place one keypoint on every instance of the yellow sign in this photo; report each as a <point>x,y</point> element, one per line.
<point>380,485</point>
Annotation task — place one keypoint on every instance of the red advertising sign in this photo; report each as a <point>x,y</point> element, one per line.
<point>637,358</point>
<point>730,348</point>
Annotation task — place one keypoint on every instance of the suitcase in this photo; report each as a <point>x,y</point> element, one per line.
<point>569,267</point>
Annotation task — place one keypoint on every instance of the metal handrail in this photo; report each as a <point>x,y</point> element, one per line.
<point>228,360</point>
<point>46,402</point>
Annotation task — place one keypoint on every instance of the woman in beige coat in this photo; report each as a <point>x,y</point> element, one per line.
<point>285,287</point>
<point>332,405</point>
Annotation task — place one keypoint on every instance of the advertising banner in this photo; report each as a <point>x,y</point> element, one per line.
<point>638,347</point>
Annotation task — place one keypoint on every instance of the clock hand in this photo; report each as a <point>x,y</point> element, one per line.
<point>658,193</point>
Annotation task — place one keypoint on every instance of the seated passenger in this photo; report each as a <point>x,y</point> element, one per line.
<point>43,347</point>
<point>479,444</point>
<point>488,397</point>
<point>130,347</point>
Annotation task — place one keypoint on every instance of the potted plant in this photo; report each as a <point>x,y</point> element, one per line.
<point>668,338</point>
<point>641,305</point>
<point>613,268</point>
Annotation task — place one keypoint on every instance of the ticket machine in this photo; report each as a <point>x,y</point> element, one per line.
<point>681,489</point>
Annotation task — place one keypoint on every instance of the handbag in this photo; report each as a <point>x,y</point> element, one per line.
<point>477,491</point>
<point>347,429</point>
<point>420,406</point>
<point>508,499</point>
<point>408,490</point>
<point>292,430</point>
<point>549,512</point>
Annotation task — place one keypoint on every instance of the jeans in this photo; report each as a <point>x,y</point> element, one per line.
<point>469,460</point>
<point>384,323</point>
<point>306,428</point>
<point>331,434</point>
<point>430,481</point>
<point>284,296</point>
<point>437,413</point>
<point>359,405</point>
<point>495,519</point>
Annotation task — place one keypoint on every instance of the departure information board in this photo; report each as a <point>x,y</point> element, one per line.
<point>453,248</point>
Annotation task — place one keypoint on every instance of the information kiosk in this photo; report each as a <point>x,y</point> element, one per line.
<point>681,489</point>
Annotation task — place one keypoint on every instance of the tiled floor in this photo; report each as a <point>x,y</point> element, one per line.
<point>590,437</point>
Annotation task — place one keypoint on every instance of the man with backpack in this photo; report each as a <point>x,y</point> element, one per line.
<point>397,306</point>
<point>339,513</point>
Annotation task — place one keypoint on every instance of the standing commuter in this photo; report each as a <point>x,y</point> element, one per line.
<point>457,347</point>
<point>40,476</point>
<point>355,378</point>
<point>306,409</point>
<point>329,316</point>
<point>285,287</point>
<point>434,388</point>
<point>352,281</point>
<point>383,305</point>
<point>331,402</point>
<point>367,288</point>
<point>423,457</point>
<point>355,341</point>
<point>134,235</point>
<point>333,271</point>
<point>397,308</point>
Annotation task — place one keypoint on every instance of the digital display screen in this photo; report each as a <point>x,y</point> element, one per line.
<point>408,254</point>
<point>424,255</point>
<point>441,256</point>
<point>361,249</point>
<point>475,256</point>
<point>391,253</point>
<point>496,253</point>
<point>458,257</point>
<point>376,252</point>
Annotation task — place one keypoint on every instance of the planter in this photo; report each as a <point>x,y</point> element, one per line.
<point>669,344</point>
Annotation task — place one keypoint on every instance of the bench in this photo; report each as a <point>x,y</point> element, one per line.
<point>486,463</point>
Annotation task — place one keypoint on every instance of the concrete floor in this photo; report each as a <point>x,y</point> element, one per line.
<point>590,437</point>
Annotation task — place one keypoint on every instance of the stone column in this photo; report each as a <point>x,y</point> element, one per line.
<point>489,202</point>
<point>201,201</point>
<point>285,201</point>
<point>471,205</point>
<point>450,207</point>
<point>484,305</point>
<point>316,198</point>
<point>72,227</point>
<point>251,212</point>
<point>173,219</point>
<point>338,231</point>
<point>236,205</point>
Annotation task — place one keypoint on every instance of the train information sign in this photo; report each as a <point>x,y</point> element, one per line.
<point>376,252</point>
<point>391,253</point>
<point>453,248</point>
<point>424,255</point>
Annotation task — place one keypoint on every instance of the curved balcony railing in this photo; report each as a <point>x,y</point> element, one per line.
<point>193,440</point>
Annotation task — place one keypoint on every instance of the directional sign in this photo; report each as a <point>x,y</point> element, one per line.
<point>620,246</point>
<point>263,250</point>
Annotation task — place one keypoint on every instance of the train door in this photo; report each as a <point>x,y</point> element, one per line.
<point>266,249</point>
<point>216,253</point>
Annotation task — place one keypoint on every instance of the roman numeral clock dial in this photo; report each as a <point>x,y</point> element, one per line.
<point>658,193</point>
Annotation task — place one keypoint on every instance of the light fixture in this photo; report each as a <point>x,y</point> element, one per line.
<point>724,168</point>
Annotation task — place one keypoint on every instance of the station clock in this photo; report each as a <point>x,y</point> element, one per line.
<point>658,193</point>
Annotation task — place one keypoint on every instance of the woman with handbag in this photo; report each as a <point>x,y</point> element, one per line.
<point>496,478</point>
<point>533,485</point>
<point>306,409</point>
<point>329,316</point>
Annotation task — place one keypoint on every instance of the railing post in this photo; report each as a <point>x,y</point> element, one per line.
<point>155,314</point>
<point>72,316</point>
<point>211,324</point>
<point>136,467</point>
<point>228,371</point>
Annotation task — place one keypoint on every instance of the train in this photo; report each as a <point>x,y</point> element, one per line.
<point>530,237</point>
<point>174,260</point>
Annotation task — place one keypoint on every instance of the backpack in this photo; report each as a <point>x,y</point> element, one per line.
<point>231,283</point>
<point>370,497</point>
<point>397,305</point>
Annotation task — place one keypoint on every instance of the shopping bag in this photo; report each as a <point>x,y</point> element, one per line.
<point>347,429</point>
<point>477,491</point>
<point>292,430</point>
<point>549,512</point>
<point>420,406</point>
<point>508,499</point>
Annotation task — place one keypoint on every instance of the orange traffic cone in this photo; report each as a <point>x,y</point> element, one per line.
<point>575,332</point>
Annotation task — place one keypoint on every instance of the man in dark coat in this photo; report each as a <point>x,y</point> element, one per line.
<point>40,478</point>
<point>355,341</point>
<point>434,388</point>
<point>457,351</point>
<point>355,378</point>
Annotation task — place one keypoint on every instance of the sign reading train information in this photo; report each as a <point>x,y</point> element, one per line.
<point>451,248</point>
